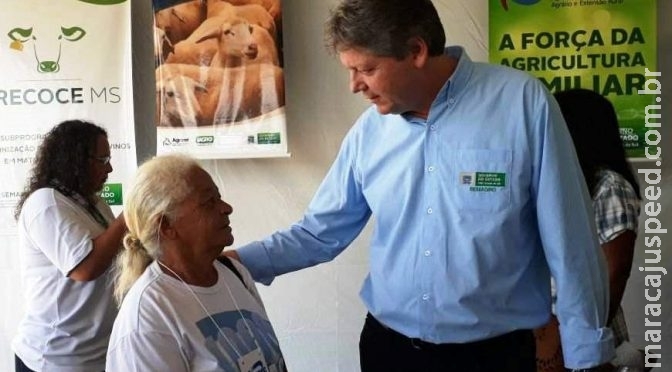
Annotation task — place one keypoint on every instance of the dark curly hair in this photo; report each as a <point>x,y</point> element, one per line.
<point>593,125</point>
<point>64,156</point>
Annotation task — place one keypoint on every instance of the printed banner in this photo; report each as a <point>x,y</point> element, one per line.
<point>220,89</point>
<point>602,45</point>
<point>59,60</point>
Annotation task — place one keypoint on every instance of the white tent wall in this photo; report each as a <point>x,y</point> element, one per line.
<point>316,312</point>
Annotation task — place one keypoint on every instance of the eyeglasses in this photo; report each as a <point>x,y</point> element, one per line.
<point>104,160</point>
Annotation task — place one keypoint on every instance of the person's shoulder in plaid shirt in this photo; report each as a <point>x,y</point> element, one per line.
<point>593,125</point>
<point>616,205</point>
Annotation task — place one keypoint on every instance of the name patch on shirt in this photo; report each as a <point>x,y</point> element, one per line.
<point>483,181</point>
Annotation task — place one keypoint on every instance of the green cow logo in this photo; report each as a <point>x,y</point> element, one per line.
<point>21,36</point>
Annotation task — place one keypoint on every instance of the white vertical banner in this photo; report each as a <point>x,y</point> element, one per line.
<point>59,60</point>
<point>220,89</point>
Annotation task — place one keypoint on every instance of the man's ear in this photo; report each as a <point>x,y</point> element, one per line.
<point>418,50</point>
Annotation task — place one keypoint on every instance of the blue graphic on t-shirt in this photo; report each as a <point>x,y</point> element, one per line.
<point>240,341</point>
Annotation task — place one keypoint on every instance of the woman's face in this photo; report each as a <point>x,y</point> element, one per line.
<point>99,164</point>
<point>203,218</point>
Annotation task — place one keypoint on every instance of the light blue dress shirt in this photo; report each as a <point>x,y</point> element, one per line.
<point>469,206</point>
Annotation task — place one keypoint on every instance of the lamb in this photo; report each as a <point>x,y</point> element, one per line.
<point>230,37</point>
<point>162,46</point>
<point>255,14</point>
<point>272,6</point>
<point>251,90</point>
<point>179,21</point>
<point>176,102</point>
<point>259,48</point>
<point>220,95</point>
<point>267,50</point>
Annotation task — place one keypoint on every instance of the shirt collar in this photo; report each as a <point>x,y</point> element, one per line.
<point>454,85</point>
<point>458,80</point>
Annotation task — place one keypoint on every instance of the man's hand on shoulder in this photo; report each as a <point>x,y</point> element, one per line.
<point>231,254</point>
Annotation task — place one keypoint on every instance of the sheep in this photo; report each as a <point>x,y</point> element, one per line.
<point>224,95</point>
<point>176,102</point>
<point>230,41</point>
<point>181,20</point>
<point>267,50</point>
<point>252,90</point>
<point>162,46</point>
<point>234,51</point>
<point>255,14</point>
<point>235,43</point>
<point>273,7</point>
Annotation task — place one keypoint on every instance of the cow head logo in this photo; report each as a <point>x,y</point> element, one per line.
<point>45,64</point>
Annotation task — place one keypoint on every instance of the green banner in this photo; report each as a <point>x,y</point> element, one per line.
<point>602,45</point>
<point>490,179</point>
<point>112,194</point>
<point>268,138</point>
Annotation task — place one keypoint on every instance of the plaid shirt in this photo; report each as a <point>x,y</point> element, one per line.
<point>616,209</point>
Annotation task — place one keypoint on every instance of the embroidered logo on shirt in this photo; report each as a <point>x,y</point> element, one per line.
<point>483,181</point>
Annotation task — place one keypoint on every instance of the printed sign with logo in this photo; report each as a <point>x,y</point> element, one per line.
<point>112,193</point>
<point>60,61</point>
<point>45,64</point>
<point>483,181</point>
<point>232,102</point>
<point>205,140</point>
<point>268,138</point>
<point>601,45</point>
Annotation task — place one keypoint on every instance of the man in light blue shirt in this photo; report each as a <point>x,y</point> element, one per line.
<point>471,176</point>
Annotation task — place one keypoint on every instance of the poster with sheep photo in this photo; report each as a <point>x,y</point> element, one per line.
<point>219,78</point>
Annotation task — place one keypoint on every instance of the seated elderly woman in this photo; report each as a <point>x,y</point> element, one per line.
<point>184,307</point>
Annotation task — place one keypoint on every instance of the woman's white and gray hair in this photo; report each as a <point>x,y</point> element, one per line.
<point>160,185</point>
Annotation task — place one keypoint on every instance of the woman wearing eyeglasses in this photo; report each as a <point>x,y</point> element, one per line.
<point>68,239</point>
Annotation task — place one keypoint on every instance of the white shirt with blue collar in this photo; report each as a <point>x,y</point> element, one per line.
<point>469,206</point>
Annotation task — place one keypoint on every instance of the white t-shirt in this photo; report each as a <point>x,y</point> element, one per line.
<point>67,323</point>
<point>162,327</point>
